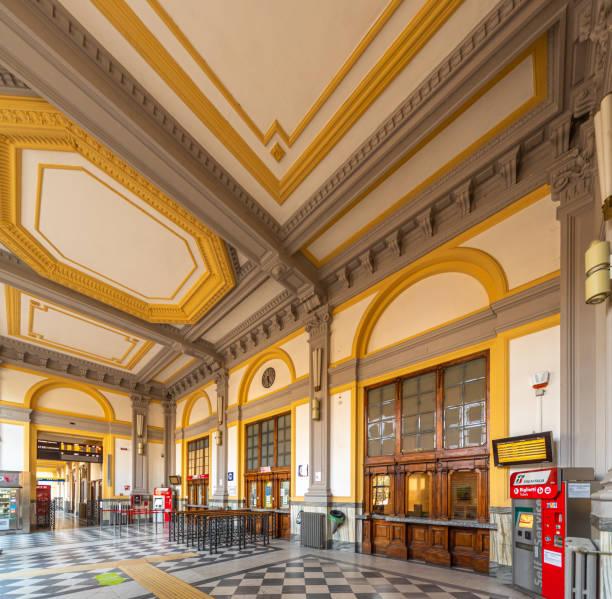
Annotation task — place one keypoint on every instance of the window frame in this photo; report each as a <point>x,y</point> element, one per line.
<point>192,456</point>
<point>439,451</point>
<point>274,467</point>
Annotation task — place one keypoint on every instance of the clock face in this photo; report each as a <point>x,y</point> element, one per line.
<point>267,378</point>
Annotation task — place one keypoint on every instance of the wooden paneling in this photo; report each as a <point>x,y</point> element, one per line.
<point>436,544</point>
<point>284,525</point>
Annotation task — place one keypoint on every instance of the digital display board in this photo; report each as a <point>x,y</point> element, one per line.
<point>525,449</point>
<point>68,452</point>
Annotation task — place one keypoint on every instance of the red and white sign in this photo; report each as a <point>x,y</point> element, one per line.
<point>196,476</point>
<point>535,484</point>
<point>265,469</point>
<point>126,487</point>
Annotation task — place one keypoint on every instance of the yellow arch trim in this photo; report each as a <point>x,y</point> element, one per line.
<point>475,263</point>
<point>38,389</point>
<point>249,374</point>
<point>191,401</point>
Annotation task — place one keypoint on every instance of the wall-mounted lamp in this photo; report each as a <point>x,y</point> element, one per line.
<point>219,438</point>
<point>597,269</point>
<point>603,141</point>
<point>317,366</point>
<point>316,409</point>
<point>139,431</point>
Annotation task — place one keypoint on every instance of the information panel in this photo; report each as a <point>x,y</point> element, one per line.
<point>69,452</point>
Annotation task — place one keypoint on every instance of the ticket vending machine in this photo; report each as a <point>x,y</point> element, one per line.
<point>162,500</point>
<point>548,505</point>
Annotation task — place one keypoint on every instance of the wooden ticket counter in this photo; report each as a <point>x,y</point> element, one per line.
<point>426,466</point>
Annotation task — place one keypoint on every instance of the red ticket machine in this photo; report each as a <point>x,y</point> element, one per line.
<point>43,505</point>
<point>162,500</point>
<point>548,505</point>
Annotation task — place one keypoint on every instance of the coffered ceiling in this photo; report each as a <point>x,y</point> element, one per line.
<point>79,216</point>
<point>278,92</point>
<point>44,324</point>
<point>200,177</point>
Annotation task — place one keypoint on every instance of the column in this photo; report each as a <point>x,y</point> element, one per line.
<point>140,470</point>
<point>169,407</point>
<point>220,484</point>
<point>318,329</point>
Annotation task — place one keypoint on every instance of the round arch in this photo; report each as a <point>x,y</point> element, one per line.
<point>271,354</point>
<point>190,402</point>
<point>475,263</point>
<point>34,393</point>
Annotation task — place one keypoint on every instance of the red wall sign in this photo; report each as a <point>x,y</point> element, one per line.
<point>534,484</point>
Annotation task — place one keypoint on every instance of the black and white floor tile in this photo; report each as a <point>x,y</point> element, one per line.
<point>313,577</point>
<point>56,585</point>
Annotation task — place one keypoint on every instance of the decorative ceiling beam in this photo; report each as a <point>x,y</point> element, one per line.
<point>17,274</point>
<point>47,48</point>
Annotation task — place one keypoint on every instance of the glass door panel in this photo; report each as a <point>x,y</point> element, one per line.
<point>284,494</point>
<point>253,494</point>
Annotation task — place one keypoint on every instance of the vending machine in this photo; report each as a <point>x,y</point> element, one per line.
<point>548,505</point>
<point>10,508</point>
<point>162,500</point>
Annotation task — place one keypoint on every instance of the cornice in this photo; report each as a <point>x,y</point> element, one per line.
<point>402,240</point>
<point>404,117</point>
<point>52,363</point>
<point>10,84</point>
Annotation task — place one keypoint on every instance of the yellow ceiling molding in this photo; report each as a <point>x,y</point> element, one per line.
<point>32,124</point>
<point>428,20</point>
<point>276,128</point>
<point>42,168</point>
<point>129,360</point>
<point>172,375</point>
<point>538,53</point>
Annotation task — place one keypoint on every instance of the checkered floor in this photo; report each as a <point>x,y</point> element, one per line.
<point>205,559</point>
<point>87,553</point>
<point>318,578</point>
<point>58,585</point>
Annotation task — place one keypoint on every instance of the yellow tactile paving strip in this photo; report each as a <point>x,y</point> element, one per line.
<point>161,584</point>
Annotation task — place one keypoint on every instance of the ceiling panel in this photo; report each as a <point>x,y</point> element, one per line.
<point>33,320</point>
<point>280,92</point>
<point>78,215</point>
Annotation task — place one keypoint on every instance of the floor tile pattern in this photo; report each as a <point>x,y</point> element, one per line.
<point>312,577</point>
<point>55,585</point>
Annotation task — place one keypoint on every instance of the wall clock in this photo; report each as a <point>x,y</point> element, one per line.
<point>267,378</point>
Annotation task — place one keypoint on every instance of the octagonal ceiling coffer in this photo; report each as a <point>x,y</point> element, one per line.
<point>88,221</point>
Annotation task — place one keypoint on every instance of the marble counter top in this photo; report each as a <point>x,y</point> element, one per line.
<point>411,520</point>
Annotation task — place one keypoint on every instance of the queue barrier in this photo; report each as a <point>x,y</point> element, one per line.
<point>124,516</point>
<point>220,528</point>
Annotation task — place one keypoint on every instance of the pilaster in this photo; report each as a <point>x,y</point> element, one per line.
<point>580,216</point>
<point>140,470</point>
<point>220,484</point>
<point>318,329</point>
<point>169,408</point>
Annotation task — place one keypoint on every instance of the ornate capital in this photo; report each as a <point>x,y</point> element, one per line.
<point>169,406</point>
<point>318,324</point>
<point>140,403</point>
